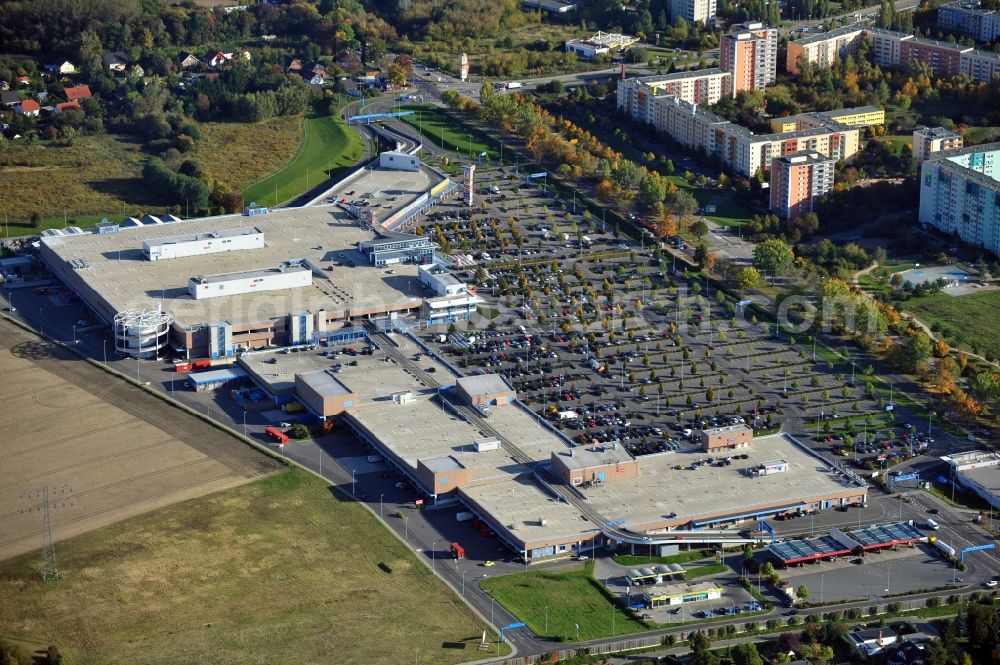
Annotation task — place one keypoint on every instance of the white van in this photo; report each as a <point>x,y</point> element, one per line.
<point>932,525</point>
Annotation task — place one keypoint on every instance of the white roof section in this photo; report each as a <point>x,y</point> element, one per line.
<point>321,236</point>
<point>484,384</point>
<point>661,489</point>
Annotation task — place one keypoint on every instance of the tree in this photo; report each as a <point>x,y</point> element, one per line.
<point>652,191</point>
<point>984,630</point>
<point>748,278</point>
<point>35,220</point>
<point>299,431</point>
<point>666,226</point>
<point>802,591</point>
<point>701,649</point>
<point>699,229</point>
<point>746,654</point>
<point>773,257</point>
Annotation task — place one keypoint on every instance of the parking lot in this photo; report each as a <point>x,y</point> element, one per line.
<point>906,569</point>
<point>611,341</point>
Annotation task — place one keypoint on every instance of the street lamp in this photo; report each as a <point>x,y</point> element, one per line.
<point>433,550</point>
<point>244,424</point>
<point>10,301</point>
<point>380,505</point>
<point>353,479</point>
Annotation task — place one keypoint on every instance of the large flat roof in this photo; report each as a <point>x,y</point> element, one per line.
<point>371,379</point>
<point>987,477</point>
<point>709,491</point>
<point>386,190</point>
<point>423,430</point>
<point>520,507</point>
<point>322,235</point>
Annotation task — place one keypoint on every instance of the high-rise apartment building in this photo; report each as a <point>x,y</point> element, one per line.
<point>967,17</point>
<point>797,180</point>
<point>636,96</point>
<point>750,53</point>
<point>823,49</point>
<point>960,194</point>
<point>694,11</point>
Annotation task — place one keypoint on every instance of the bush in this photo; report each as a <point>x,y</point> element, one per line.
<point>933,602</point>
<point>299,431</point>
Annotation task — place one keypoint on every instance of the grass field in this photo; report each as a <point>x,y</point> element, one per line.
<point>880,287</point>
<point>683,557</point>
<point>327,148</point>
<point>703,571</point>
<point>565,598</point>
<point>968,322</point>
<point>238,154</point>
<point>277,571</point>
<point>432,122</point>
<point>898,141</point>
<point>99,176</point>
<point>977,135</point>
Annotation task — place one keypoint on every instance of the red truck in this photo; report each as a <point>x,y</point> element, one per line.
<point>457,551</point>
<point>276,434</point>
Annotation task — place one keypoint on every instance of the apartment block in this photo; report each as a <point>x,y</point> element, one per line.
<point>750,53</point>
<point>943,58</point>
<point>981,66</point>
<point>738,147</point>
<point>894,49</point>
<point>824,49</point>
<point>798,180</point>
<point>887,46</point>
<point>960,194</point>
<point>858,116</point>
<point>929,140</point>
<point>694,11</point>
<point>969,18</point>
<point>704,86</point>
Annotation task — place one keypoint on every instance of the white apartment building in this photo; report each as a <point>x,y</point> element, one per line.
<point>704,86</point>
<point>694,11</point>
<point>960,194</point>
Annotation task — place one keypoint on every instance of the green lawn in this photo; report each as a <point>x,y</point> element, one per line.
<point>683,557</point>
<point>898,141</point>
<point>281,570</point>
<point>968,322</point>
<point>432,122</point>
<point>328,148</point>
<point>566,598</point>
<point>977,135</point>
<point>730,213</point>
<point>880,288</point>
<point>703,571</point>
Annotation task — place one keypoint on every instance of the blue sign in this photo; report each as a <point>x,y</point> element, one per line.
<point>538,175</point>
<point>618,523</point>
<point>516,624</point>
<point>975,548</point>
